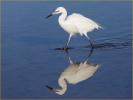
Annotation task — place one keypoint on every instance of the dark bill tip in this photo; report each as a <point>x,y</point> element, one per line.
<point>49,16</point>
<point>50,88</point>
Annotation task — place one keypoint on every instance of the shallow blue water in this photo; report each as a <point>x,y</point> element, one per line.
<point>29,61</point>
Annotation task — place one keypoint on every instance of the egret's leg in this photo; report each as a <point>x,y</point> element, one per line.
<point>89,40</point>
<point>68,40</point>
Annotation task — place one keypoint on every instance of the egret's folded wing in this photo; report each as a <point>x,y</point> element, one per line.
<point>82,23</point>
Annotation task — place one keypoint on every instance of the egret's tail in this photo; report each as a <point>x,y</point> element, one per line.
<point>98,65</point>
<point>99,26</point>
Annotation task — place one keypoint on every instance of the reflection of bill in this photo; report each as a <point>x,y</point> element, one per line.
<point>73,74</point>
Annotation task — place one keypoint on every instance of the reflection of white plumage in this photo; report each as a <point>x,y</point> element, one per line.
<point>73,74</point>
<point>75,23</point>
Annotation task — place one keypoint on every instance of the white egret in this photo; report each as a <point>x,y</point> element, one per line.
<point>73,74</point>
<point>75,23</point>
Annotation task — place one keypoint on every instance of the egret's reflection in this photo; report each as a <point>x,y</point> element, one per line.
<point>73,74</point>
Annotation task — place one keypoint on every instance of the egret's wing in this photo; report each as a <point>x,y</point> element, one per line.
<point>83,67</point>
<point>83,23</point>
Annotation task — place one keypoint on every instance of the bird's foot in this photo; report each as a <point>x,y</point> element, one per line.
<point>64,48</point>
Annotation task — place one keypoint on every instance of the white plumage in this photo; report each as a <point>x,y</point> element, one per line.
<point>81,23</point>
<point>77,72</point>
<point>75,23</point>
<point>73,74</point>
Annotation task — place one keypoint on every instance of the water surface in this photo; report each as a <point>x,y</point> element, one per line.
<point>30,61</point>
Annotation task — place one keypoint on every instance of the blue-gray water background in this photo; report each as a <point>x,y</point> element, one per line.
<point>29,61</point>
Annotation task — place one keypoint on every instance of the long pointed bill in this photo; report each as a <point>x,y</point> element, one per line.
<point>49,16</point>
<point>50,88</point>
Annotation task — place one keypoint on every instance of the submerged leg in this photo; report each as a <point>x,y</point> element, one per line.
<point>91,44</point>
<point>66,46</point>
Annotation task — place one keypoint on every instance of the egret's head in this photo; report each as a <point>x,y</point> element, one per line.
<point>58,10</point>
<point>58,91</point>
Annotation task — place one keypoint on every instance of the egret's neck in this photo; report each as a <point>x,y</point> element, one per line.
<point>62,17</point>
<point>63,85</point>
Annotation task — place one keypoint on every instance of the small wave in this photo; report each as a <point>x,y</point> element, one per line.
<point>117,42</point>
